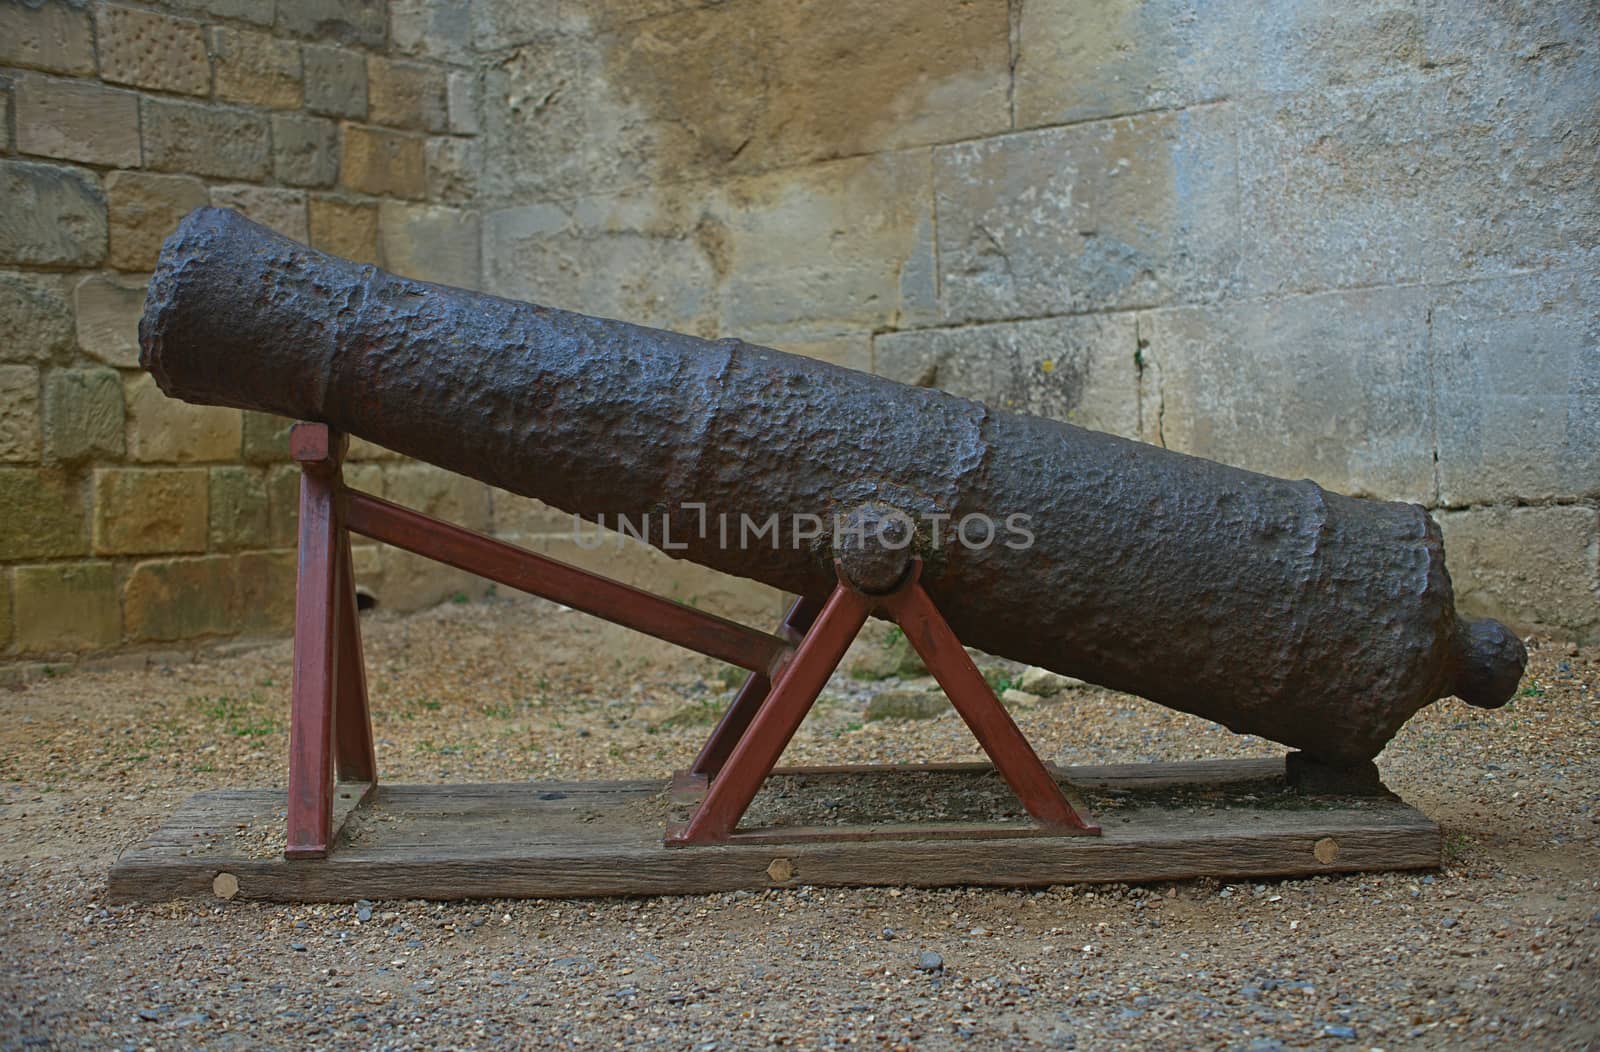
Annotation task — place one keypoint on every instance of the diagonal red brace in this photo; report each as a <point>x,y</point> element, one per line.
<point>765,734</point>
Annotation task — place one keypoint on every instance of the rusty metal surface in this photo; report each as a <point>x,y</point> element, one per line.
<point>1274,607</point>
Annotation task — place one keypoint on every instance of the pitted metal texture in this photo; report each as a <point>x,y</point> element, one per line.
<point>1271,606</point>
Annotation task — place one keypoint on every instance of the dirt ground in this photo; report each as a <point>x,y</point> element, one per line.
<point>1498,949</point>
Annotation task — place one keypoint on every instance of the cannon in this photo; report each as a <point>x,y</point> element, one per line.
<point>1273,607</point>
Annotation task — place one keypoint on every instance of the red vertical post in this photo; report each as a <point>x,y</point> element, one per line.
<point>354,757</point>
<point>319,451</point>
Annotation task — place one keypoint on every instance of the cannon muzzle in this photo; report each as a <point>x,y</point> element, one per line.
<point>1271,606</point>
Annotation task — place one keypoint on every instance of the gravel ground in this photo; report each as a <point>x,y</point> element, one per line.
<point>1496,950</point>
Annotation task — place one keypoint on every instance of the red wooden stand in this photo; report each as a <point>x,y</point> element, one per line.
<point>330,736</point>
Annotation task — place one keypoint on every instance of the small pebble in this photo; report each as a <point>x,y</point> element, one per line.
<point>930,962</point>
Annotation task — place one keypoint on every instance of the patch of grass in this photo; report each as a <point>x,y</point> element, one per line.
<point>999,681</point>
<point>1456,845</point>
<point>238,718</point>
<point>853,725</point>
<point>460,598</point>
<point>1532,690</point>
<point>700,714</point>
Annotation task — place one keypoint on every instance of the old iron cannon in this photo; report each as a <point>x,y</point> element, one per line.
<point>1270,606</point>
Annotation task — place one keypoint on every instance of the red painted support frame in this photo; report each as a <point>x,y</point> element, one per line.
<point>330,731</point>
<point>330,736</point>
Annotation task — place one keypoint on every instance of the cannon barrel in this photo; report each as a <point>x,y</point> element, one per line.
<point>1273,607</point>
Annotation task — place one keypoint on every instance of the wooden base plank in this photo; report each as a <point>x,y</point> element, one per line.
<point>1229,819</point>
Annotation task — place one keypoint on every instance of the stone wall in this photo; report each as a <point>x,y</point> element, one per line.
<point>1356,242</point>
<point>129,521</point>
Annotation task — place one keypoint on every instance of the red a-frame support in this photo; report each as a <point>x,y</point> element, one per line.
<point>330,736</point>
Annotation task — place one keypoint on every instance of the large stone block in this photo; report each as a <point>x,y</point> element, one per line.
<point>361,449</point>
<point>77,120</point>
<point>5,114</point>
<point>151,50</point>
<point>440,493</point>
<point>852,350</point>
<point>165,430</point>
<point>1077,61</point>
<point>5,610</point>
<point>263,592</point>
<point>265,438</point>
<point>108,318</point>
<point>35,317</point>
<point>305,150</point>
<point>281,210</point>
<point>42,515</point>
<point>383,163</point>
<point>54,216</point>
<point>82,415</point>
<point>218,595</point>
<point>253,11</point>
<point>1427,179</point>
<point>257,68</point>
<point>19,423</point>
<point>431,243</point>
<point>141,511</point>
<point>283,505</point>
<point>220,142</point>
<point>516,518</point>
<point>411,582</point>
<point>1120,213</point>
<point>144,209</point>
<point>1081,370</point>
<point>1535,568</point>
<point>704,91</point>
<point>829,248</point>
<point>1517,372</point>
<point>175,599</point>
<point>368,478</point>
<point>335,81</point>
<point>406,94</point>
<point>651,259</point>
<point>1457,32</point>
<point>66,606</point>
<point>1332,387</point>
<point>453,166</point>
<point>501,24</point>
<point>437,29</point>
<point>345,228</point>
<point>360,22</point>
<point>801,254</point>
<point>53,36</point>
<point>240,513</point>
<point>463,90</point>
